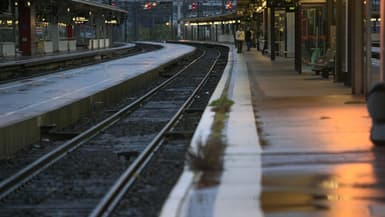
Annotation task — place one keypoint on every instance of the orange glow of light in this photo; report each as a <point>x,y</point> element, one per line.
<point>341,190</point>
<point>339,131</point>
<point>352,181</point>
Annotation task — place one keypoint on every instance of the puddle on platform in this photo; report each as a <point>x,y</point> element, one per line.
<point>333,191</point>
<point>289,201</point>
<point>203,197</point>
<point>355,102</point>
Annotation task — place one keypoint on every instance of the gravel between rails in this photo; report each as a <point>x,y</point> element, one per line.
<point>148,194</point>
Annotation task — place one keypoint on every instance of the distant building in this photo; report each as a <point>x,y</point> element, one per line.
<point>29,27</point>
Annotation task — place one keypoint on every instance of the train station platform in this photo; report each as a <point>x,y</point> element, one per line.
<point>62,98</point>
<point>49,57</point>
<point>297,145</point>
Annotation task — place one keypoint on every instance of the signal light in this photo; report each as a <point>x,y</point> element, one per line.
<point>229,5</point>
<point>147,6</point>
<point>194,6</point>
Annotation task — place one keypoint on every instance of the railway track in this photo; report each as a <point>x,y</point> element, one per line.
<point>73,179</point>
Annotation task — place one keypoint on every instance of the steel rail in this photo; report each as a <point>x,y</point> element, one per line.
<point>112,198</point>
<point>27,173</point>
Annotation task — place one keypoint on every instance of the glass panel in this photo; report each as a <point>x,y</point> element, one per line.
<point>313,34</point>
<point>41,30</point>
<point>6,28</point>
<point>374,40</point>
<point>280,32</point>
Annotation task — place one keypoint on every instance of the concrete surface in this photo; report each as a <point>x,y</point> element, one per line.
<point>313,157</point>
<point>317,157</point>
<point>62,98</point>
<point>233,191</point>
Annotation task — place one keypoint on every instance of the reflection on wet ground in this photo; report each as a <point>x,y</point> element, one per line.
<point>328,170</point>
<point>352,190</point>
<point>317,158</point>
<point>203,197</point>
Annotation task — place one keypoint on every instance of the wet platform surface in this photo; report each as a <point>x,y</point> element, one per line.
<point>31,97</point>
<point>317,157</point>
<point>313,157</point>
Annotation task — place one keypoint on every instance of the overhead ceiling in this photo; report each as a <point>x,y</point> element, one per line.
<point>243,4</point>
<point>242,7</point>
<point>88,4</point>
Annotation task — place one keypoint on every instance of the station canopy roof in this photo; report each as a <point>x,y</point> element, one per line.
<point>241,10</point>
<point>223,17</point>
<point>243,4</point>
<point>83,4</point>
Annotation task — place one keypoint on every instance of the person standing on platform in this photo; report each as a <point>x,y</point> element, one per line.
<point>248,38</point>
<point>239,38</point>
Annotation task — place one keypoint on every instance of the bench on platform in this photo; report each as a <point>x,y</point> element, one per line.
<point>324,65</point>
<point>325,70</point>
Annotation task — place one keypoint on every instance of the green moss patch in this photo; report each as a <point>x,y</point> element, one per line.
<point>209,155</point>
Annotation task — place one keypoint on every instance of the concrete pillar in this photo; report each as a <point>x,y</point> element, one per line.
<point>356,66</point>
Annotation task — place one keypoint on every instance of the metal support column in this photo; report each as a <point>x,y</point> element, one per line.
<point>136,11</point>
<point>330,17</point>
<point>382,41</point>
<point>339,41</point>
<point>14,18</point>
<point>265,29</point>
<point>178,19</point>
<point>27,26</point>
<point>298,62</point>
<point>272,33</point>
<point>356,50</point>
<point>216,32</point>
<point>198,32</point>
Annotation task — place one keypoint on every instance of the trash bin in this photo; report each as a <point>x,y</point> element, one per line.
<point>376,108</point>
